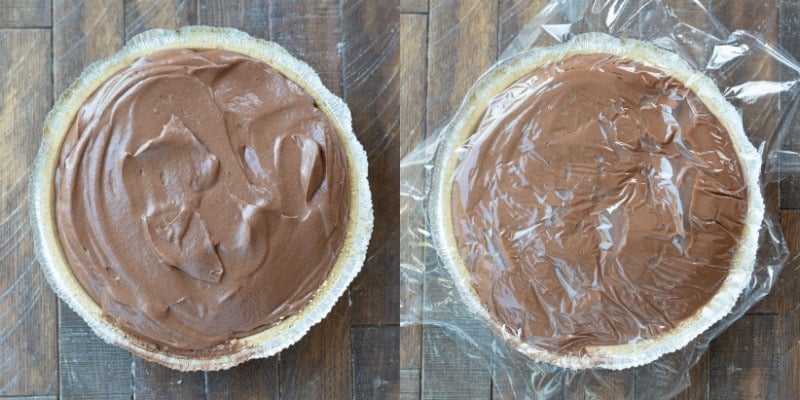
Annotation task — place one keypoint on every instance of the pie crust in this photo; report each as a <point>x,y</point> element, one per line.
<point>466,121</point>
<point>42,197</point>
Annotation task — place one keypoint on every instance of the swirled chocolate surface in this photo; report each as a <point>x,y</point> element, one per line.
<point>599,202</point>
<point>201,196</point>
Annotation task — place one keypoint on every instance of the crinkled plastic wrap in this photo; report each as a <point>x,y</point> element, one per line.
<point>562,219</point>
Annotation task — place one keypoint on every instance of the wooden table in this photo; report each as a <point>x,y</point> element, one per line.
<point>446,45</point>
<point>46,351</point>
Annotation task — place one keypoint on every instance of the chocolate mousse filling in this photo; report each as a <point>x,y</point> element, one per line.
<point>599,202</point>
<point>201,196</point>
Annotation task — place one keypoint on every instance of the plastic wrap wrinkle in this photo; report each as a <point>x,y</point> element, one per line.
<point>732,59</point>
<point>463,125</point>
<point>581,194</point>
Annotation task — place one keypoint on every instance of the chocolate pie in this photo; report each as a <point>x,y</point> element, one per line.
<point>208,196</point>
<point>598,202</point>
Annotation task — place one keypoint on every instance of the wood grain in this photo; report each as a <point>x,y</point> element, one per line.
<point>514,15</point>
<point>376,360</point>
<point>790,188</point>
<point>573,390</point>
<point>698,381</point>
<point>28,335</point>
<point>511,382</point>
<point>255,379</point>
<point>453,366</point>
<point>744,357</point>
<point>413,78</point>
<point>743,360</point>
<point>414,6</point>
<point>371,66</point>
<point>88,367</point>
<point>152,381</point>
<point>788,363</point>
<point>611,385</point>
<point>728,373</point>
<point>788,293</point>
<point>790,40</point>
<point>92,29</point>
<point>761,339</point>
<point>762,17</point>
<point>251,16</point>
<point>25,14</point>
<point>310,31</point>
<point>448,372</point>
<point>320,365</point>
<point>84,31</point>
<point>754,16</point>
<point>409,383</point>
<point>785,295</point>
<point>456,28</point>
<point>453,27</point>
<point>141,15</point>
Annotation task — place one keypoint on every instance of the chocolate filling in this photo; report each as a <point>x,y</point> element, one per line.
<point>201,196</point>
<point>599,202</point>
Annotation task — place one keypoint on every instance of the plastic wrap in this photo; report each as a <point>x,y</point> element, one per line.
<point>759,82</point>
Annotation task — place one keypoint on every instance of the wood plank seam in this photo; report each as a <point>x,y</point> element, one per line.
<point>58,330</point>
<point>52,102</point>
<point>414,6</point>
<point>26,28</point>
<point>423,286</point>
<point>17,16</point>
<point>414,39</point>
<point>424,117</point>
<point>27,305</point>
<point>43,397</point>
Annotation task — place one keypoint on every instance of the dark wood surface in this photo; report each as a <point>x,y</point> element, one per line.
<point>446,45</point>
<point>422,61</point>
<point>47,351</point>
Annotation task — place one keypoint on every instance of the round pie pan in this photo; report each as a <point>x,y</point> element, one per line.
<point>466,121</point>
<point>42,197</point>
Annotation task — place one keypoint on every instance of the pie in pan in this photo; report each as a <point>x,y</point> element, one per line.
<point>597,202</point>
<point>200,199</point>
